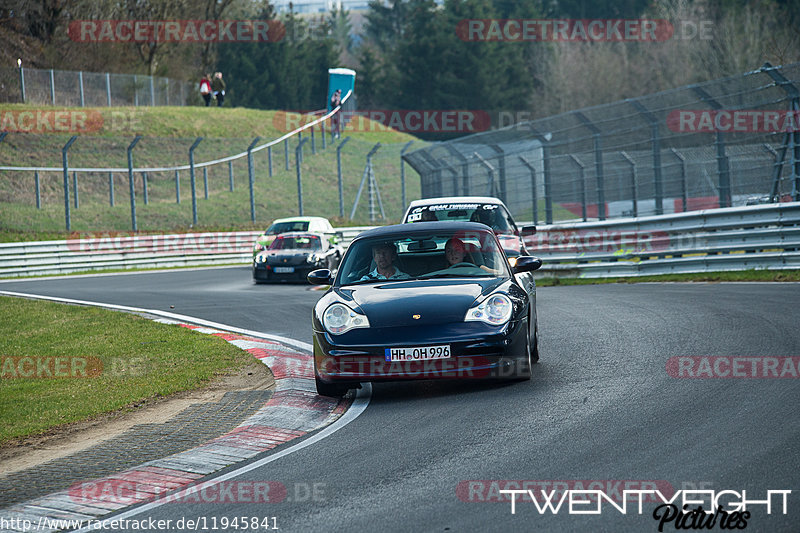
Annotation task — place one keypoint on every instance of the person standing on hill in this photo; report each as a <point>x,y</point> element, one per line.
<point>205,88</point>
<point>218,86</point>
<point>336,101</point>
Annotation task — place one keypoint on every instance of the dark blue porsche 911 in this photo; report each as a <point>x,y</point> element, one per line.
<point>424,301</point>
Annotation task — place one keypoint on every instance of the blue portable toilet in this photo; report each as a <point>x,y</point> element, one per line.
<point>340,78</point>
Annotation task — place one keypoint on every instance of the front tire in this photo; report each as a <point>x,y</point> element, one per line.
<point>328,389</point>
<point>524,368</point>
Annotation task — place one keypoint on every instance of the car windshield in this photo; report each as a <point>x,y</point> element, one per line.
<point>428,255</point>
<point>493,215</point>
<point>286,227</point>
<point>296,243</point>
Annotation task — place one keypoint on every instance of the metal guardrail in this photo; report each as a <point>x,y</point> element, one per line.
<point>756,237</point>
<point>121,251</point>
<point>730,239</point>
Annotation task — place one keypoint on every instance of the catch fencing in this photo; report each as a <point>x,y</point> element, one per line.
<point>277,151</point>
<point>724,143</point>
<point>93,89</point>
<point>731,239</point>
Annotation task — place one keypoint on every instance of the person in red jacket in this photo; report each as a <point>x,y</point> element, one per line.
<point>205,88</point>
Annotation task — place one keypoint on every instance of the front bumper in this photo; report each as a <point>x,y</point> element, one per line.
<point>477,351</point>
<point>265,272</point>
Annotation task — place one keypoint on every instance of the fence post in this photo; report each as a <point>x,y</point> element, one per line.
<point>490,168</point>
<point>21,79</point>
<point>366,176</point>
<point>501,174</point>
<point>656,145</point>
<point>339,174</point>
<point>582,178</point>
<point>322,131</point>
<point>75,188</point>
<point>298,159</point>
<point>684,188</point>
<point>52,87</point>
<point>135,91</point>
<point>251,177</point>
<point>144,184</point>
<point>372,186</point>
<point>111,189</point>
<point>313,142</point>
<point>205,182</point>
<point>534,192</point>
<point>796,154</point>
<point>65,162</point>
<point>634,194</point>
<point>38,193</point>
<point>286,152</point>
<point>152,93</point>
<point>269,160</point>
<point>108,88</point>
<point>80,82</point>
<point>131,182</point>
<point>403,174</point>
<point>177,187</point>
<point>191,174</point>
<point>230,175</point>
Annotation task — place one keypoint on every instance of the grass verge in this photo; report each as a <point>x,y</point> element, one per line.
<point>745,275</point>
<point>61,364</point>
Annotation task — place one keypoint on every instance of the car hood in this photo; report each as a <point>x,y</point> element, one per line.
<point>397,303</point>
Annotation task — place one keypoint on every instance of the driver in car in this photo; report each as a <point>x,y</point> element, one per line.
<point>384,255</point>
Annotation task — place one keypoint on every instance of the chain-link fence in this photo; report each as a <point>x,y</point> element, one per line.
<point>89,183</point>
<point>728,142</point>
<point>92,89</point>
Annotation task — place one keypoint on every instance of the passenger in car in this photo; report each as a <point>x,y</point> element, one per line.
<point>456,253</point>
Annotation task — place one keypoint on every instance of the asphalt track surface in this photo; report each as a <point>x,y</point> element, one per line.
<point>601,406</point>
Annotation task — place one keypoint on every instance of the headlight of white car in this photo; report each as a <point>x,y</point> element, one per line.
<point>312,258</point>
<point>338,318</point>
<point>494,310</point>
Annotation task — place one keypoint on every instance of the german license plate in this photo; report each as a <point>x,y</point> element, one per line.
<point>284,270</point>
<point>418,353</point>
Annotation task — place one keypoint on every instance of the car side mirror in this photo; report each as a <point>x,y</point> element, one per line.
<point>526,263</point>
<point>528,230</point>
<point>321,276</point>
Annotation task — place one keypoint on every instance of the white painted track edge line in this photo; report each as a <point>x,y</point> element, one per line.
<point>174,316</point>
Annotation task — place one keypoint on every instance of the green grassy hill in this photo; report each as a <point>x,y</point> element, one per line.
<point>168,132</point>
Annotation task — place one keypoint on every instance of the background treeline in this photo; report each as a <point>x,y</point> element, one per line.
<point>408,55</point>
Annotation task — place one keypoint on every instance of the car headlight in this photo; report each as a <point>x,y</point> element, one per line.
<point>338,318</point>
<point>494,310</point>
<point>312,258</point>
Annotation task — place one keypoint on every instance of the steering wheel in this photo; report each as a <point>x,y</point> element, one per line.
<point>465,263</point>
